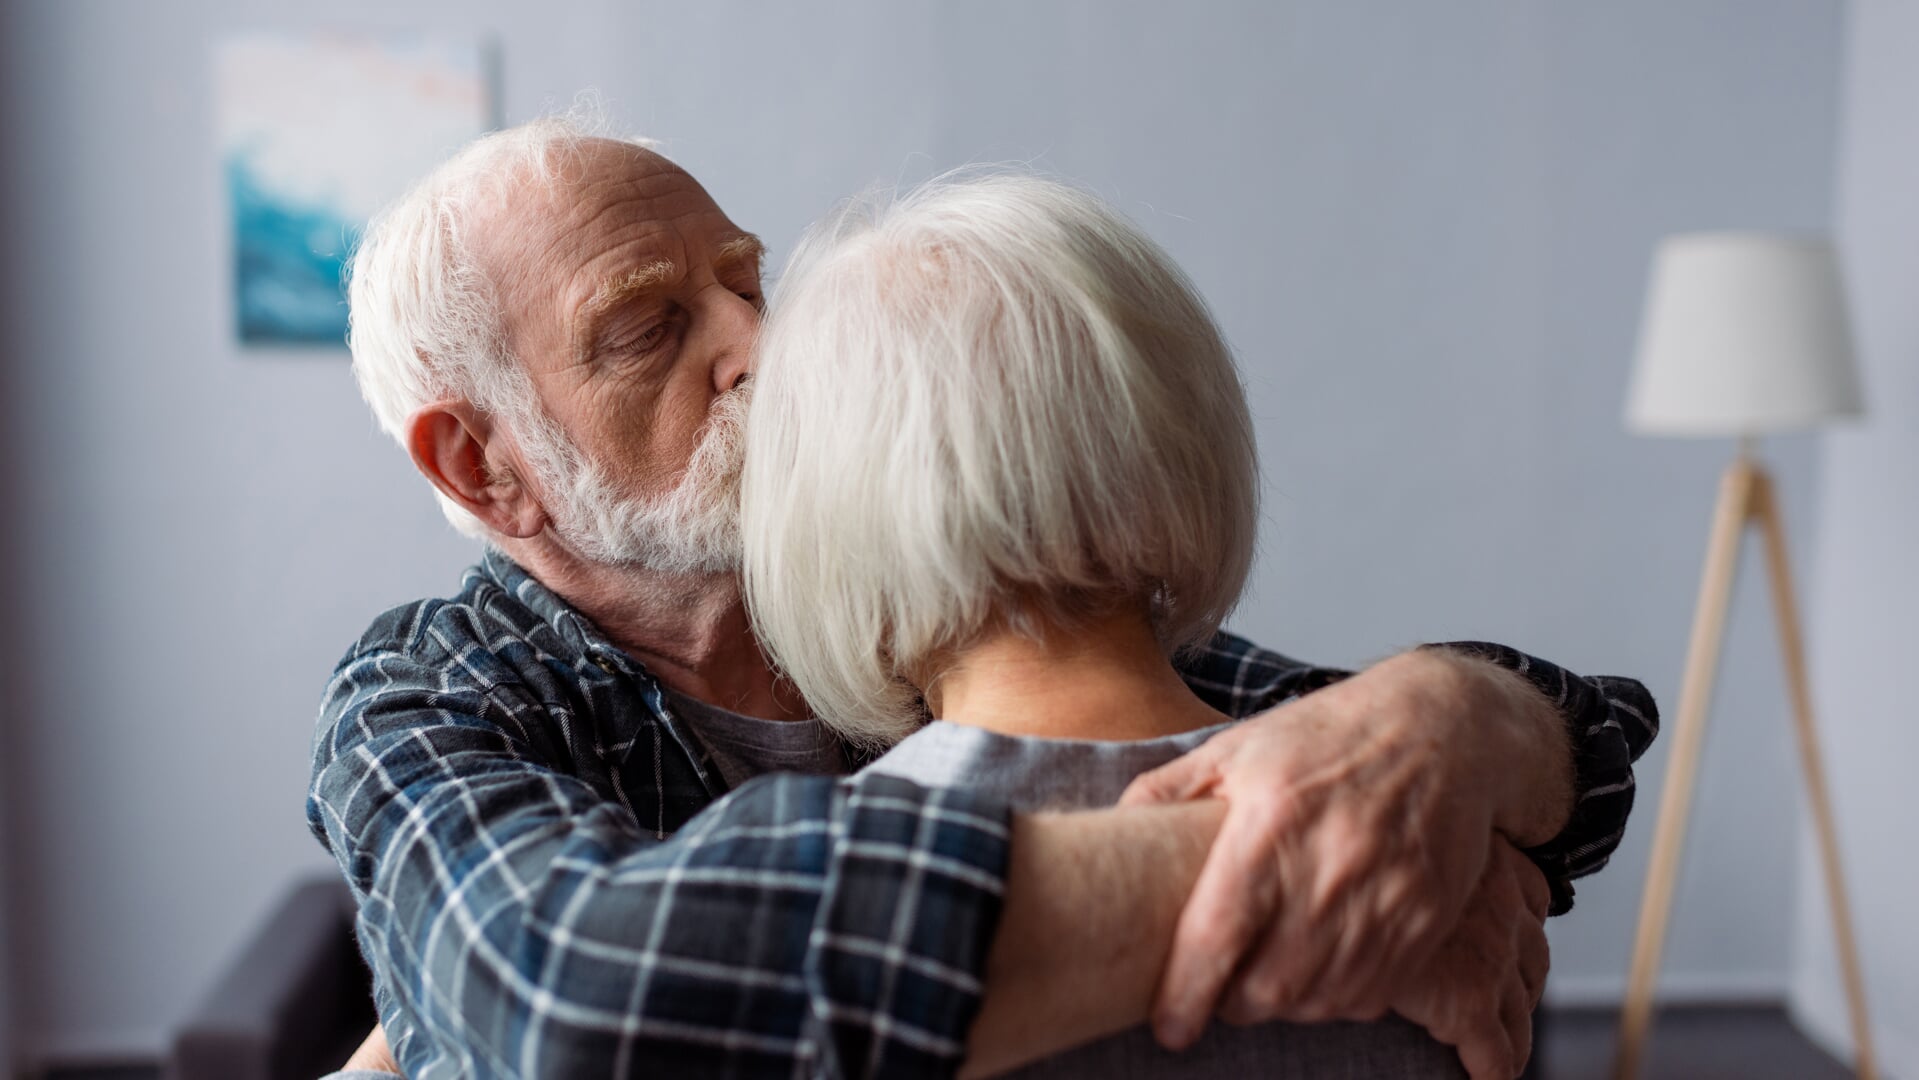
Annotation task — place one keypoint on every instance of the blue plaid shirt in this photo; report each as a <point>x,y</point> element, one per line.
<point>552,879</point>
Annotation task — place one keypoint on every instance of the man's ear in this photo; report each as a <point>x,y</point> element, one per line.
<point>455,445</point>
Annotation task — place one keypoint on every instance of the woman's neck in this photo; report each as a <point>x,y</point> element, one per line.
<point>1103,678</point>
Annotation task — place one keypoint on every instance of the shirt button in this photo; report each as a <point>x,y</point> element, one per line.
<point>605,665</point>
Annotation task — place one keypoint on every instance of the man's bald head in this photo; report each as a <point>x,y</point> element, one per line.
<point>423,303</point>
<point>556,240</point>
<point>424,323</point>
<point>575,306</point>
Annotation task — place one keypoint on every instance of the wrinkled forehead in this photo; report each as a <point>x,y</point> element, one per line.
<point>602,210</point>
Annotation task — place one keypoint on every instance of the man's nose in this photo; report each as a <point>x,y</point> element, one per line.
<point>736,326</point>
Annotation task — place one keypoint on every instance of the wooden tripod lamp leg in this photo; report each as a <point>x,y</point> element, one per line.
<point>1675,804</point>
<point>1786,610</point>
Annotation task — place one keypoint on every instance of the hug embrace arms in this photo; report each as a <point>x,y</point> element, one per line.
<point>495,781</point>
<point>555,877</point>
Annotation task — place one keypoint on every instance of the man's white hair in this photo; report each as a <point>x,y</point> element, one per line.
<point>991,400</point>
<point>424,321</point>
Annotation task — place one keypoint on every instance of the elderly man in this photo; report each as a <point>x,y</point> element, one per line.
<point>542,788</point>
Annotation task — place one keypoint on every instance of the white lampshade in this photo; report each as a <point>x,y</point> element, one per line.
<point>1743,334</point>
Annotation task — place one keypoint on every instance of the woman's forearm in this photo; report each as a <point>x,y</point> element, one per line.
<point>1092,900</point>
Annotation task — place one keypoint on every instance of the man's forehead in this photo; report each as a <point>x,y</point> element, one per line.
<point>657,250</point>
<point>623,188</point>
<point>742,251</point>
<point>618,208</point>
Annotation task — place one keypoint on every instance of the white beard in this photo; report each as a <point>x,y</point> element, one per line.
<point>693,529</point>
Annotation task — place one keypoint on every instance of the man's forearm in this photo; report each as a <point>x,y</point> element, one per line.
<point>1608,722</point>
<point>1526,751</point>
<point>1092,900</point>
<point>1542,777</point>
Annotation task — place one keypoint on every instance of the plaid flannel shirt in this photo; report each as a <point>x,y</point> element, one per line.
<point>552,879</point>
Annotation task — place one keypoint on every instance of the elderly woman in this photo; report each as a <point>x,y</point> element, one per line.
<point>999,471</point>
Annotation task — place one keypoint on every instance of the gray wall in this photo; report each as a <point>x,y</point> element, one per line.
<point>6,942</point>
<point>15,705</point>
<point>1865,584</point>
<point>6,960</point>
<point>1424,226</point>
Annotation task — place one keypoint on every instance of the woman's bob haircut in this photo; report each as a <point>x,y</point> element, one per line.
<point>989,402</point>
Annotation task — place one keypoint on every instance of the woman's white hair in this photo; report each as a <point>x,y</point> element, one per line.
<point>991,400</point>
<point>424,321</point>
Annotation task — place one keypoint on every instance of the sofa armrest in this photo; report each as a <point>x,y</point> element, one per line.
<point>294,1004</point>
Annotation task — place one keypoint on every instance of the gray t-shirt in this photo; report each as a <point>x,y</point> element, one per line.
<point>743,747</point>
<point>1074,774</point>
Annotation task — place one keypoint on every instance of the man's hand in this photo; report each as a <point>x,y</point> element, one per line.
<point>1478,992</point>
<point>374,1054</point>
<point>1359,823</point>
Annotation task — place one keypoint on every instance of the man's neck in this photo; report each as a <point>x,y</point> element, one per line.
<point>690,631</point>
<point>1105,678</point>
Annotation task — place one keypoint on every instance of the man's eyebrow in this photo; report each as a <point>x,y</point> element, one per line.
<point>611,294</point>
<point>744,248</point>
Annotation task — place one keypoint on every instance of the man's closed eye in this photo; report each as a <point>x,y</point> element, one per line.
<point>645,341</point>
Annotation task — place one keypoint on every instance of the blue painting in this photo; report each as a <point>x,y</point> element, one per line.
<point>317,132</point>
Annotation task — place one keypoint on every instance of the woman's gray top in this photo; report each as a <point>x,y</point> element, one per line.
<point>1073,774</point>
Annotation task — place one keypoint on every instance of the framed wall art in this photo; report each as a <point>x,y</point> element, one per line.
<point>316,133</point>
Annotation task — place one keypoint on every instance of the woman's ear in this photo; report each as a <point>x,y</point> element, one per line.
<point>461,454</point>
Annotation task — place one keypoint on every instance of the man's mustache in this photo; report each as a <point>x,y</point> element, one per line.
<point>728,410</point>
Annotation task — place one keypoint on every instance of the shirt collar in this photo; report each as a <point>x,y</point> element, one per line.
<point>574,628</point>
<point>579,633</point>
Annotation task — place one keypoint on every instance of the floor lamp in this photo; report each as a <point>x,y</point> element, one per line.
<point>1744,334</point>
